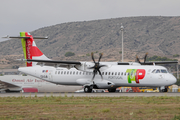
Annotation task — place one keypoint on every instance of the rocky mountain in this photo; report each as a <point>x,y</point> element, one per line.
<point>156,35</point>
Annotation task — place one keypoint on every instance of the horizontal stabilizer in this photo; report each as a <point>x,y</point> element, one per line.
<point>25,37</point>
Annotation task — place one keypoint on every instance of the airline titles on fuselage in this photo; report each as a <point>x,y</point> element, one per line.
<point>28,80</point>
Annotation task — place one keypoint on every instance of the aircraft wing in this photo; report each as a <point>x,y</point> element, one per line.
<point>5,85</point>
<point>65,64</point>
<point>159,62</point>
<point>55,62</point>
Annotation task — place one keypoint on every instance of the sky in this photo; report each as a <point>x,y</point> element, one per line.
<point>29,15</point>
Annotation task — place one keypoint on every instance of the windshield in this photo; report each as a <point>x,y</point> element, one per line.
<point>160,71</point>
<point>163,71</point>
<point>157,71</point>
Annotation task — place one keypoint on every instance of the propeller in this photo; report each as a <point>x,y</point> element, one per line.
<point>137,59</point>
<point>96,66</point>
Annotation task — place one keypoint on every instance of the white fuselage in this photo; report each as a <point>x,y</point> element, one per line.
<point>33,82</point>
<point>117,75</point>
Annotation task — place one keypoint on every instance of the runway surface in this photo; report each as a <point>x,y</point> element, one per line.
<point>88,94</point>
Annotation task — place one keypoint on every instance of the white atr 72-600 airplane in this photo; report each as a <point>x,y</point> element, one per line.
<point>98,75</point>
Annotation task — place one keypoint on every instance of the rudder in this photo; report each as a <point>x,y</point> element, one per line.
<point>30,50</point>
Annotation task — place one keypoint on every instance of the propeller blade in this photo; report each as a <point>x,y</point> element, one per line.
<point>91,67</point>
<point>101,54</point>
<point>100,74</point>
<point>102,66</point>
<point>137,59</point>
<point>145,57</point>
<point>94,73</point>
<point>92,56</point>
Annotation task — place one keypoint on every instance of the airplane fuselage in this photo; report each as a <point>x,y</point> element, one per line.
<point>114,76</point>
<point>21,82</point>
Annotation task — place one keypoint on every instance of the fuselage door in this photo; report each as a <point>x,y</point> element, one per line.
<point>50,75</point>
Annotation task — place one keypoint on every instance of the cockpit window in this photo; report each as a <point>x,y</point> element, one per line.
<point>163,71</point>
<point>157,71</point>
<point>153,70</point>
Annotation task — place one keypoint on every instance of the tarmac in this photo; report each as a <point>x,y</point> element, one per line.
<point>89,94</point>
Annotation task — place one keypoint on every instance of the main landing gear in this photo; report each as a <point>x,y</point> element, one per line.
<point>88,89</point>
<point>112,90</point>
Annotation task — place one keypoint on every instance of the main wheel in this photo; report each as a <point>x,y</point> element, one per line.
<point>87,89</point>
<point>112,90</point>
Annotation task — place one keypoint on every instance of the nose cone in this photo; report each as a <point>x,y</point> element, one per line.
<point>173,79</point>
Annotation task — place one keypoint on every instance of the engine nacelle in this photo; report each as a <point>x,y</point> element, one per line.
<point>98,83</point>
<point>85,66</point>
<point>103,84</point>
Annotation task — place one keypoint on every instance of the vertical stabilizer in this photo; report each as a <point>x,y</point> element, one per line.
<point>31,51</point>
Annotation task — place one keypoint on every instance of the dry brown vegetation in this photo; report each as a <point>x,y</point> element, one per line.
<point>90,108</point>
<point>156,35</point>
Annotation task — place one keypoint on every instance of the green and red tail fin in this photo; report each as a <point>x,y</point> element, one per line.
<point>31,51</point>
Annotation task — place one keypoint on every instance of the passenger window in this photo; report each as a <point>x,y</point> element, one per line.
<point>102,73</point>
<point>127,73</point>
<point>73,72</point>
<point>109,73</point>
<point>157,71</point>
<point>115,73</point>
<point>64,72</point>
<point>118,73</point>
<point>106,73</point>
<point>67,72</point>
<point>112,73</point>
<point>77,73</point>
<point>59,72</point>
<point>122,73</point>
<point>80,73</point>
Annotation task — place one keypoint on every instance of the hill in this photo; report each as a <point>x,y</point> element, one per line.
<point>156,35</point>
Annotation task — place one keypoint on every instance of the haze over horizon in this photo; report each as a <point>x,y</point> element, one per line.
<point>30,15</point>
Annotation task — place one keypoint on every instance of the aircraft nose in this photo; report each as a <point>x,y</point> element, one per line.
<point>173,79</point>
